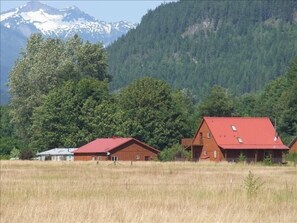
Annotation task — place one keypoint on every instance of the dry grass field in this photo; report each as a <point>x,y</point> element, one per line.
<point>33,191</point>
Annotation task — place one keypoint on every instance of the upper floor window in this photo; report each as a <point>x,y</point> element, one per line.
<point>114,158</point>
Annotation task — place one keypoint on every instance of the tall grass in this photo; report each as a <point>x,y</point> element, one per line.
<point>144,192</point>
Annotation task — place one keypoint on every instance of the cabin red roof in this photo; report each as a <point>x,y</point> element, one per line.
<point>104,145</point>
<point>244,133</point>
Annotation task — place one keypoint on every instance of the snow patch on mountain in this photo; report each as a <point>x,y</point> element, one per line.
<point>62,23</point>
<point>8,14</point>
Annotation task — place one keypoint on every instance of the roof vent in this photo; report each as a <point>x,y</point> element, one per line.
<point>275,138</point>
<point>233,127</point>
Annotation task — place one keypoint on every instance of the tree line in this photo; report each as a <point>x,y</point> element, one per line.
<point>60,97</point>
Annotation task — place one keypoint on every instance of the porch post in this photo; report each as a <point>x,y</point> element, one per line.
<point>256,156</point>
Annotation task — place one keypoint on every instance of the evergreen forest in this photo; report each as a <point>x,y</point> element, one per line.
<point>239,45</point>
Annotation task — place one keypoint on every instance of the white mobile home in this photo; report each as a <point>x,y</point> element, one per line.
<point>57,154</point>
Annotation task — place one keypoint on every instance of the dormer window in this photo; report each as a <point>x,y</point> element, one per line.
<point>239,140</point>
<point>233,127</point>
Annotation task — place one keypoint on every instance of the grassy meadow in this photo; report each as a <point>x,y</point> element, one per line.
<point>34,191</point>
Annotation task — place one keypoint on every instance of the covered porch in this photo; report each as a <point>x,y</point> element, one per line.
<point>253,155</point>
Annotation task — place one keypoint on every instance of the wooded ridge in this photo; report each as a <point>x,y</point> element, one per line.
<point>239,45</point>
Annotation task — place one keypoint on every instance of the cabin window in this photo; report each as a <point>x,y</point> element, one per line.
<point>233,127</point>
<point>239,140</point>
<point>114,158</point>
<point>137,157</point>
<point>208,135</point>
<point>215,154</point>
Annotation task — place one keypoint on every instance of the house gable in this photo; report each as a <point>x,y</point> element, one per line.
<point>204,144</point>
<point>134,150</point>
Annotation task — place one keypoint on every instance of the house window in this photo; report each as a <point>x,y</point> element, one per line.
<point>233,127</point>
<point>215,154</point>
<point>239,140</point>
<point>137,157</point>
<point>114,158</point>
<point>208,135</point>
<point>201,138</point>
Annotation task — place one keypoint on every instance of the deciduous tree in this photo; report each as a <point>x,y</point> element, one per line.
<point>46,64</point>
<point>151,114</point>
<point>217,103</point>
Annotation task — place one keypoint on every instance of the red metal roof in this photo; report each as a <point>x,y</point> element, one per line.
<point>244,133</point>
<point>104,145</point>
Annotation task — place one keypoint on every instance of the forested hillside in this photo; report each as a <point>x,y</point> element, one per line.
<point>239,45</point>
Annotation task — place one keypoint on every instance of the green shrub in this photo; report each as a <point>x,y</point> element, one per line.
<point>292,157</point>
<point>4,157</point>
<point>174,153</point>
<point>267,161</point>
<point>241,158</point>
<point>252,184</point>
<point>15,153</point>
<point>26,154</point>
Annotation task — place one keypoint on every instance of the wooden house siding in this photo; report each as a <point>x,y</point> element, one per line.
<point>89,156</point>
<point>204,145</point>
<point>133,151</point>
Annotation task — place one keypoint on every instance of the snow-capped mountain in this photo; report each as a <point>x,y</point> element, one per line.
<point>19,23</point>
<point>37,17</point>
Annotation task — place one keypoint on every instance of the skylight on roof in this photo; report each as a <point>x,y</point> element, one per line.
<point>239,140</point>
<point>233,127</point>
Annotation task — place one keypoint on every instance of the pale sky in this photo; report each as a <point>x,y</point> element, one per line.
<point>109,11</point>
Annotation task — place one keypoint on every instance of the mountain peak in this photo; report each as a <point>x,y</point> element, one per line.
<point>33,6</point>
<point>73,8</point>
<point>73,13</point>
